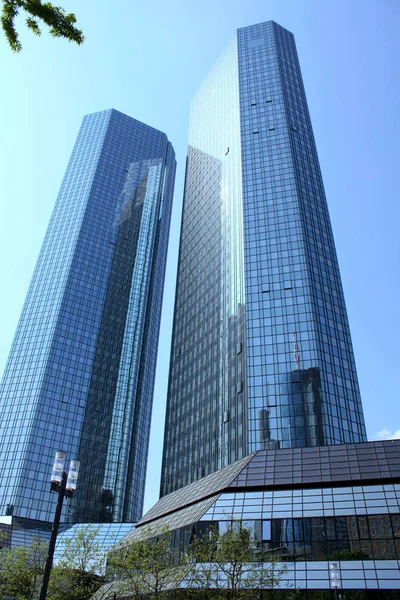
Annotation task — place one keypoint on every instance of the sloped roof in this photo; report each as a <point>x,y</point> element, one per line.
<point>321,465</point>
<point>180,518</point>
<point>198,490</point>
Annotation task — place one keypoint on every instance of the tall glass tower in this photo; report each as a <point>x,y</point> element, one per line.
<point>80,373</point>
<point>261,353</point>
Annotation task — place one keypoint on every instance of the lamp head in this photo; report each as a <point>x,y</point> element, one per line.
<point>72,475</point>
<point>58,467</point>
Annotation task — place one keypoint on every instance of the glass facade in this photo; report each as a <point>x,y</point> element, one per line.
<point>261,352</point>
<point>210,286</point>
<point>106,535</point>
<point>305,517</point>
<point>18,531</point>
<point>80,373</point>
<point>312,538</point>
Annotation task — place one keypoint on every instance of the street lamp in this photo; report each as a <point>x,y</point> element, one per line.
<point>65,485</point>
<point>335,577</point>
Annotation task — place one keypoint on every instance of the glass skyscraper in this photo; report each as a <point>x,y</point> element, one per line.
<point>261,355</point>
<point>80,373</point>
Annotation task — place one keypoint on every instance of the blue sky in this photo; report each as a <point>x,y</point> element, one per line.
<point>147,60</point>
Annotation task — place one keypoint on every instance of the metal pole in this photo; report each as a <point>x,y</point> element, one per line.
<point>53,538</point>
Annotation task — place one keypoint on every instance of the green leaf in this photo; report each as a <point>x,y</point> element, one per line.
<point>59,23</point>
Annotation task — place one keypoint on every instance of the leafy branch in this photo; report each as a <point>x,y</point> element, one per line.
<point>60,23</point>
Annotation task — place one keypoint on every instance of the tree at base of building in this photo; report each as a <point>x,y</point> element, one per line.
<point>148,568</point>
<point>214,565</point>
<point>79,573</point>
<point>76,576</point>
<point>230,563</point>
<point>21,570</point>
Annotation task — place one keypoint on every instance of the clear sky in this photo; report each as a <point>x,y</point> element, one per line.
<point>147,59</point>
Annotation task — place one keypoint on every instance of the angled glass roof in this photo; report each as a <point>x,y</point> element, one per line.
<point>365,461</point>
<point>180,518</point>
<point>198,490</point>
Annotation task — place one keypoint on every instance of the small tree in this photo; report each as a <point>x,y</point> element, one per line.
<point>60,23</point>
<point>21,570</point>
<point>227,562</point>
<point>79,573</point>
<point>148,568</point>
<point>4,539</point>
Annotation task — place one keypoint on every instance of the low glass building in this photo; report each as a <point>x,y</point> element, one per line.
<point>21,532</point>
<point>309,507</point>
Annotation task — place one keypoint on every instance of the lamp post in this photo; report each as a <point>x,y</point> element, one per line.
<point>64,485</point>
<point>335,577</point>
